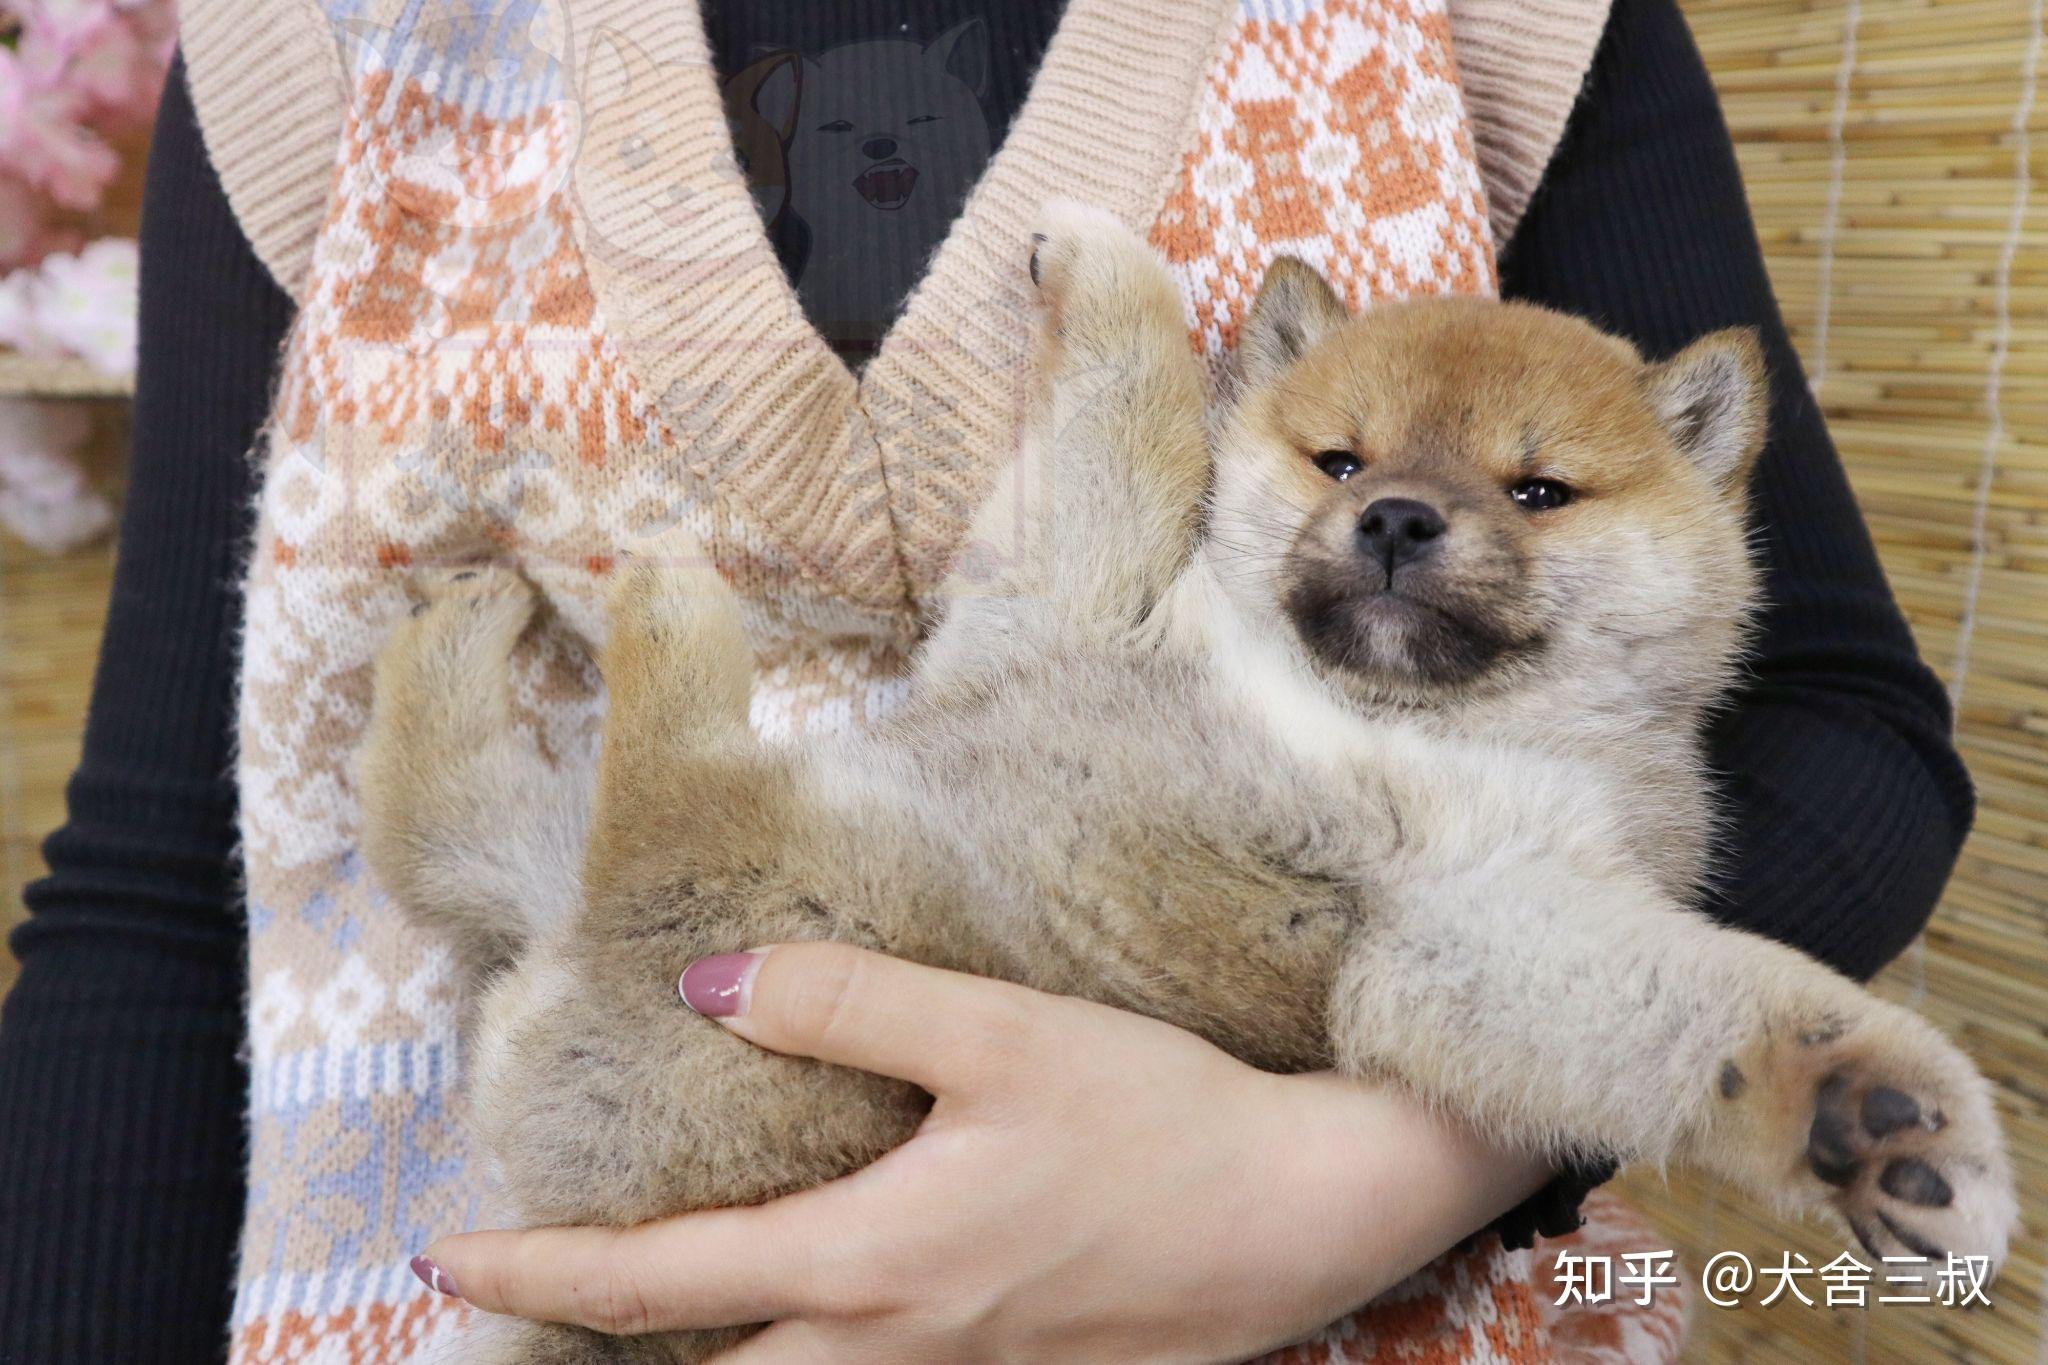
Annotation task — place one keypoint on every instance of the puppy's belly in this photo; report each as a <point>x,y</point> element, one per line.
<point>1239,952</point>
<point>611,1102</point>
<point>606,1100</point>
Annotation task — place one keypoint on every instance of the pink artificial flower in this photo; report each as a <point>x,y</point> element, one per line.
<point>22,228</point>
<point>44,497</point>
<point>85,303</point>
<point>41,139</point>
<point>115,61</point>
<point>101,62</point>
<point>67,25</point>
<point>78,68</point>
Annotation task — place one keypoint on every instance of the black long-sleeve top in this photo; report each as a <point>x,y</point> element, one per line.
<point>121,1092</point>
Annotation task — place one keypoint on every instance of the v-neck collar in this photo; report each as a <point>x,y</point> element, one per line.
<point>860,486</point>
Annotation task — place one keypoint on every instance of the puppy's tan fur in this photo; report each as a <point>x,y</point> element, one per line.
<point>1437,824</point>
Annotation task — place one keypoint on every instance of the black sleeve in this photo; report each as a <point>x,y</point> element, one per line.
<point>1846,800</point>
<point>121,1092</point>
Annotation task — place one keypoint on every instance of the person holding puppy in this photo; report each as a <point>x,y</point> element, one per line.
<point>1103,1181</point>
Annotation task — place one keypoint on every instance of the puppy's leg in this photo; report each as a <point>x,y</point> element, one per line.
<point>1599,1016</point>
<point>510,1341</point>
<point>1101,509</point>
<point>464,822</point>
<point>1121,409</point>
<point>678,674</point>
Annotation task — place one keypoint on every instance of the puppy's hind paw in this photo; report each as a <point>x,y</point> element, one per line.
<point>488,600</point>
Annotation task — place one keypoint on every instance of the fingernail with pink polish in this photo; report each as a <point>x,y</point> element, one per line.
<point>435,1278</point>
<point>720,987</point>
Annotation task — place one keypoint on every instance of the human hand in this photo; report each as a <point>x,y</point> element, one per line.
<point>1090,1185</point>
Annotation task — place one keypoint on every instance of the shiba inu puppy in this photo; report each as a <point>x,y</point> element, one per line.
<point>1361,730</point>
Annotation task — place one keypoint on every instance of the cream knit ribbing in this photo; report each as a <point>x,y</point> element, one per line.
<point>1522,64</point>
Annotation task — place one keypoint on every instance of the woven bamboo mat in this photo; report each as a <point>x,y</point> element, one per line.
<point>1885,147</point>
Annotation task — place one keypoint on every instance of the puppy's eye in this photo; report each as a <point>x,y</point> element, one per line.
<point>1540,495</point>
<point>926,118</point>
<point>1338,464</point>
<point>838,125</point>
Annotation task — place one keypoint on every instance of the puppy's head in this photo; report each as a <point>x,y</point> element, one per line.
<point>1457,497</point>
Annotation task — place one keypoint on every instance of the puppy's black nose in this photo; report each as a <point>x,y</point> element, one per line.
<point>1395,531</point>
<point>878,148</point>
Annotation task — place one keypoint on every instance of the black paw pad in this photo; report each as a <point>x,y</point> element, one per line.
<point>1830,1142</point>
<point>1886,1110</point>
<point>1913,1180</point>
<point>1910,1240</point>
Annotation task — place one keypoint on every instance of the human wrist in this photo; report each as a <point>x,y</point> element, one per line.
<point>1553,1210</point>
<point>1392,1185</point>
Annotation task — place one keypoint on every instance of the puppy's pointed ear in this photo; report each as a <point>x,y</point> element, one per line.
<point>1294,309</point>
<point>1712,398</point>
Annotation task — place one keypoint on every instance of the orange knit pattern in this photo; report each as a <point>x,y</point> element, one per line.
<point>1338,137</point>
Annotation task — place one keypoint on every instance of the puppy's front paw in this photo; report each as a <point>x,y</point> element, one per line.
<point>1916,1162</point>
<point>1890,1125</point>
<point>1102,283</point>
<point>1071,236</point>
<point>443,694</point>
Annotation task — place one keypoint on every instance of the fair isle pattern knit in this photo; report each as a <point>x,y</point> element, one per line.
<point>542,322</point>
<point>1338,137</point>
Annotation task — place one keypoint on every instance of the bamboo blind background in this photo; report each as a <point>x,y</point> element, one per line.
<point>1885,144</point>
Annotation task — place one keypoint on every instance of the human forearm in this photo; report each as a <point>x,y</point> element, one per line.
<point>1843,860</point>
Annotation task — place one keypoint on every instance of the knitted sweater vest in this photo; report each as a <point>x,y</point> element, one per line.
<point>540,320</point>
